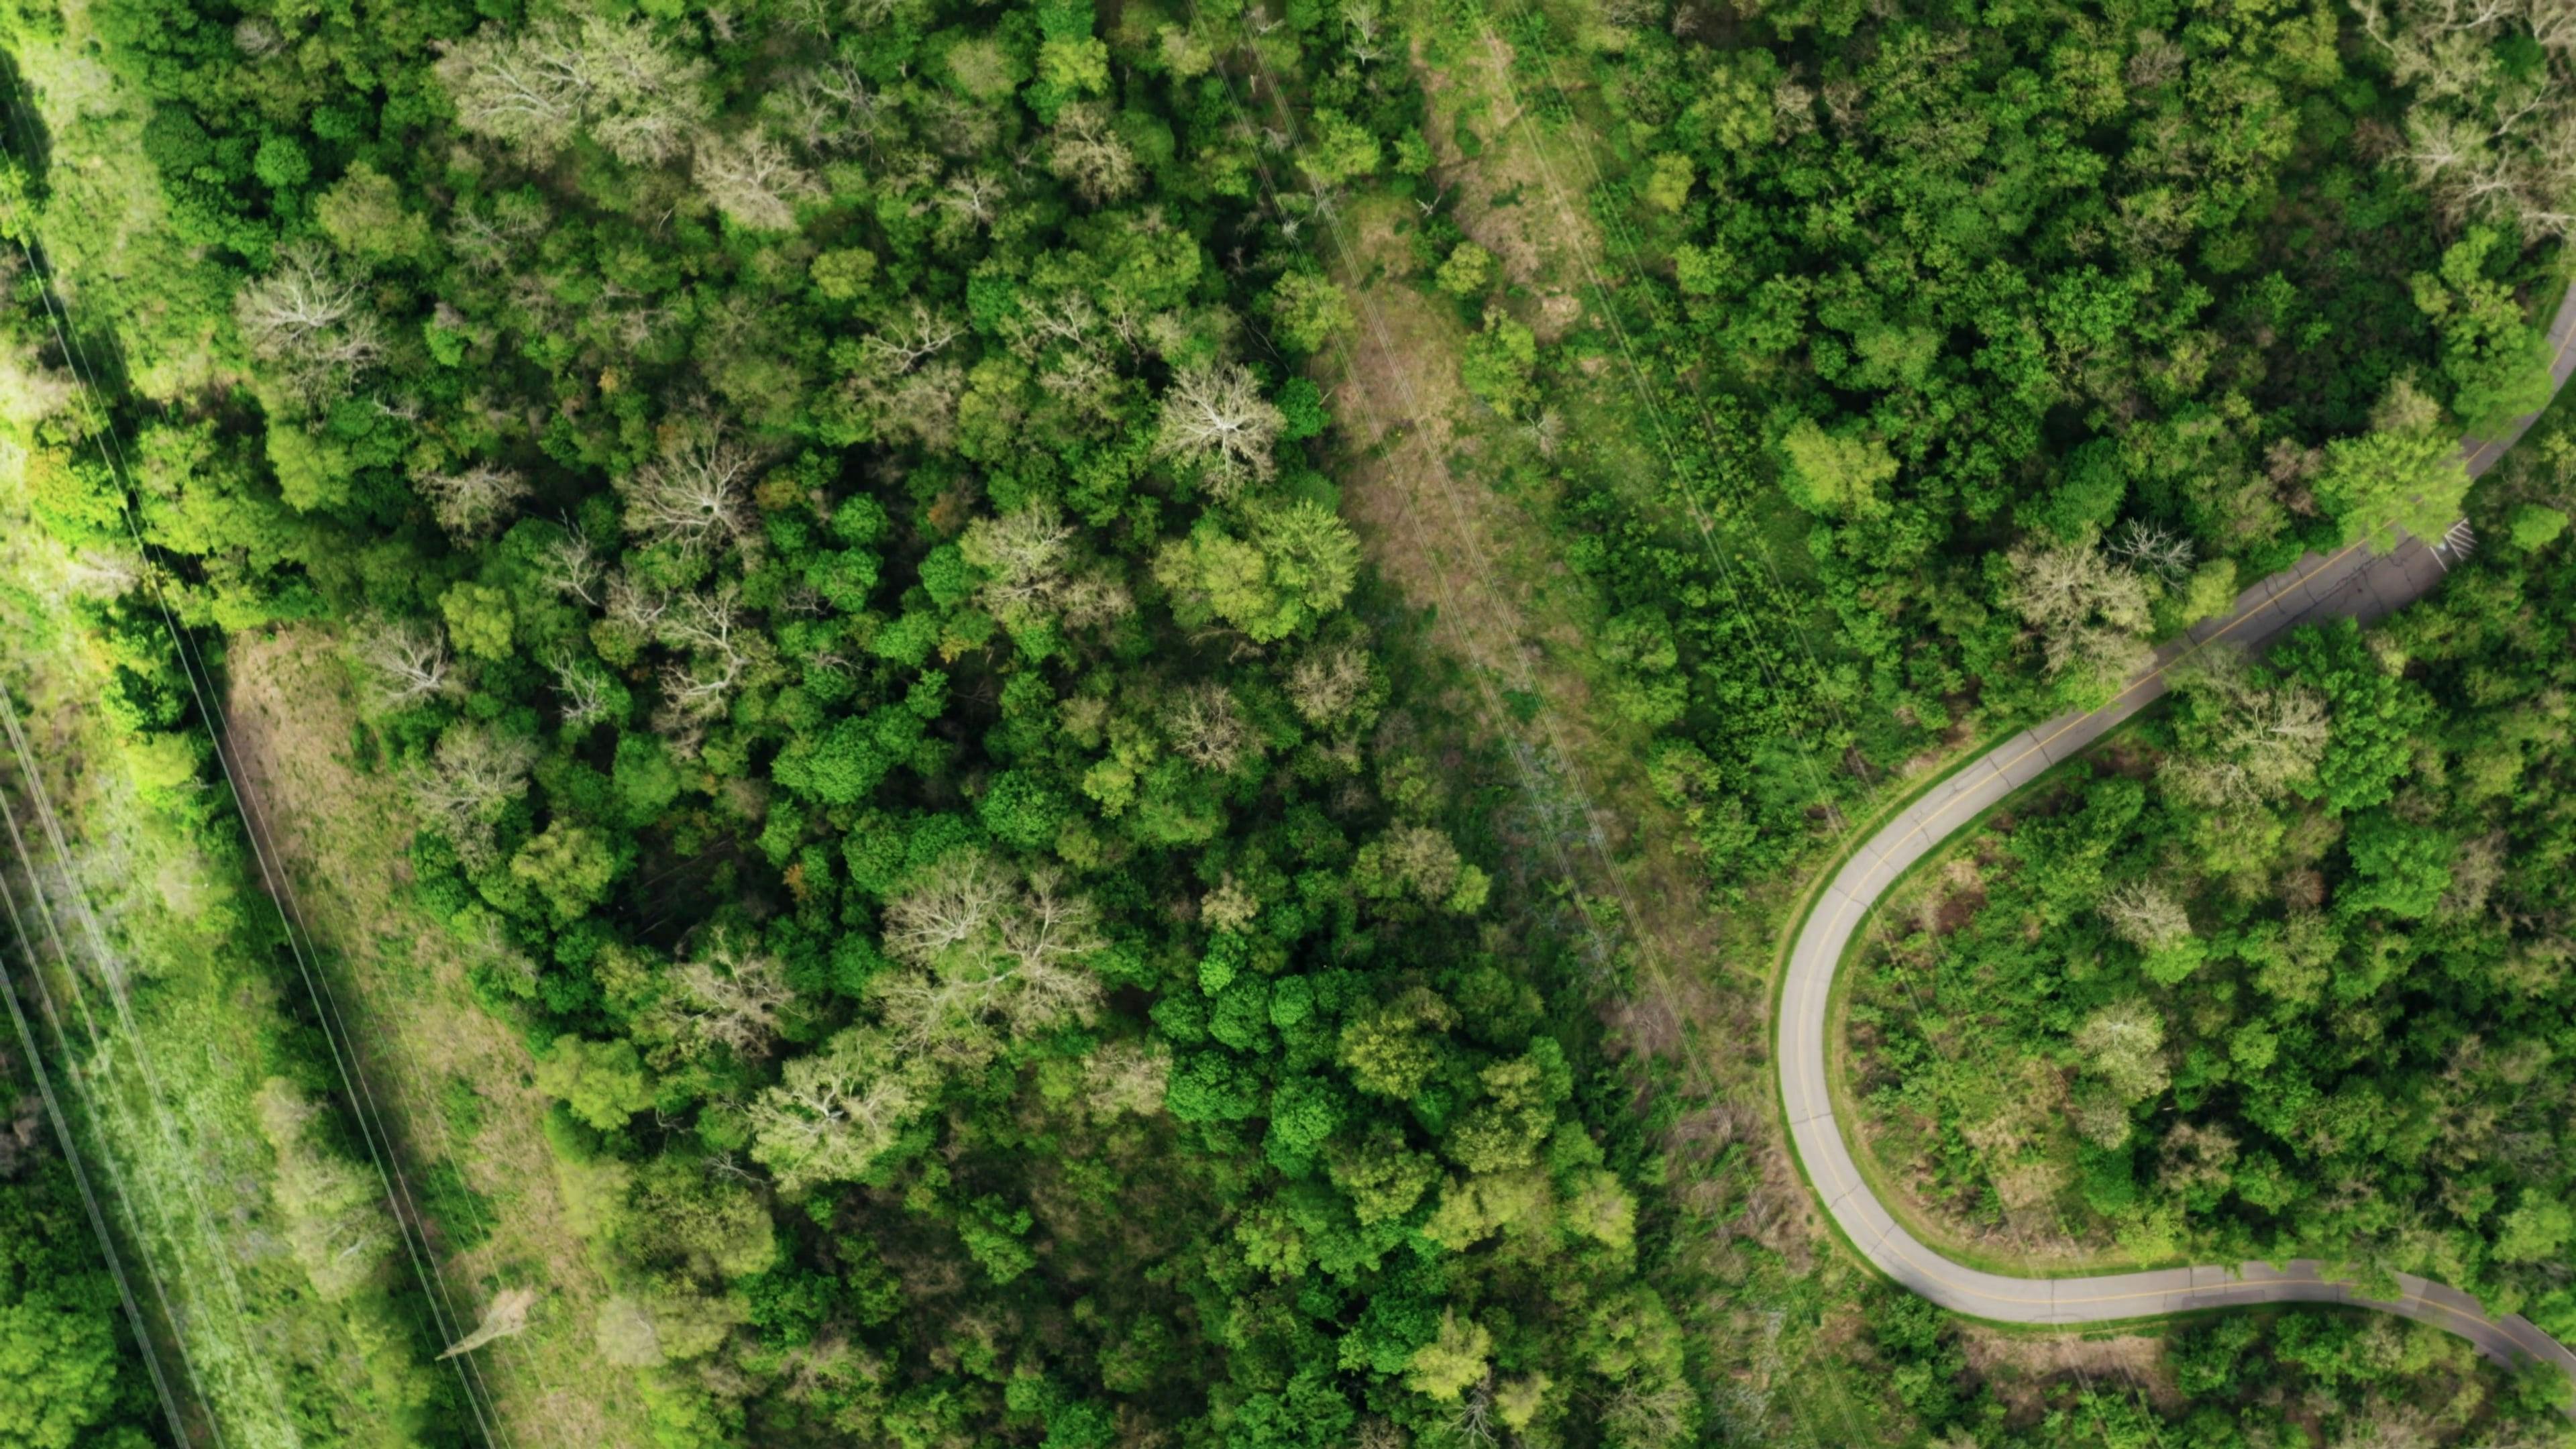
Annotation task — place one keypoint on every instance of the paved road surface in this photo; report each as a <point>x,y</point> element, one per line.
<point>2350,583</point>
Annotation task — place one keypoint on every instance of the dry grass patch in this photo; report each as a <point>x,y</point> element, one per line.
<point>2020,1367</point>
<point>1518,197</point>
<point>403,988</point>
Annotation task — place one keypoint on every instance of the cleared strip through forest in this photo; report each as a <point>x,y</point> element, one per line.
<point>359,1093</point>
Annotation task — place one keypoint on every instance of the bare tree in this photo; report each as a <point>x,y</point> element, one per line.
<point>2152,549</point>
<point>691,497</point>
<point>1088,152</point>
<point>473,775</point>
<point>573,569</point>
<point>1025,554</point>
<point>2485,134</point>
<point>988,953</point>
<point>487,245</point>
<point>721,646</point>
<point>257,37</point>
<point>835,1111</point>
<point>904,344</point>
<point>920,405</point>
<point>954,902</point>
<point>1047,929</point>
<point>1091,599</point>
<point>405,663</point>
<point>1651,1411</point>
<point>583,690</point>
<point>2087,610</point>
<point>311,323</point>
<point>709,621</point>
<point>753,181</point>
<point>637,604</point>
<point>2196,1158</point>
<point>616,81</point>
<point>2389,1426</point>
<point>470,504</point>
<point>831,110</point>
<point>1327,682</point>
<point>2258,741</point>
<point>1124,1078</point>
<point>2153,61</point>
<point>525,90</point>
<point>729,997</point>
<point>974,198</point>
<point>2475,873</point>
<point>1206,727</point>
<point>1474,1423</point>
<point>2124,1043</point>
<point>1068,319</point>
<point>2145,915</point>
<point>1215,416</point>
<point>1367,39</point>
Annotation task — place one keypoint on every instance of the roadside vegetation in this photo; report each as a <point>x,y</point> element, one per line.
<point>2278,974</point>
<point>1076,726</point>
<point>2303,1376</point>
<point>1969,360</point>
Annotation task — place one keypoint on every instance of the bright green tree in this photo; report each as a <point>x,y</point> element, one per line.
<point>602,1082</point>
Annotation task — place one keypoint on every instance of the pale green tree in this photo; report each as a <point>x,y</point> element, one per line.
<point>1834,476</point>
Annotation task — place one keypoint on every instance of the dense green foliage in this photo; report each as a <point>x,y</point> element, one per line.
<point>824,504</point>
<point>2300,1376</point>
<point>1006,965</point>
<point>2284,974</point>
<point>68,1372</point>
<point>1997,339</point>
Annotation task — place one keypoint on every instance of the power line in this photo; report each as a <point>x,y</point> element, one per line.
<point>1439,468</point>
<point>40,797</point>
<point>142,1330</point>
<point>280,888</point>
<point>335,1032</point>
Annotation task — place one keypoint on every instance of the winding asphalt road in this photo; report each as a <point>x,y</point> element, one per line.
<point>2353,583</point>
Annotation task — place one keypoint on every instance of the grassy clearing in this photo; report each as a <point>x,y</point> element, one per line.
<point>452,1078</point>
<point>218,1008</point>
<point>1457,505</point>
<point>168,1016</point>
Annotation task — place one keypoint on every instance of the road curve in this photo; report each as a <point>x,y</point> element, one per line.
<point>2350,583</point>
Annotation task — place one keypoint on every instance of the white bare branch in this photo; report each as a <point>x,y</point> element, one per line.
<point>1215,416</point>
<point>692,496</point>
<point>753,181</point>
<point>405,662</point>
<point>311,324</point>
<point>469,781</point>
<point>471,503</point>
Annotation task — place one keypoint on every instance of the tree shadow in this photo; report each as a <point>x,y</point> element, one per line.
<point>23,137</point>
<point>90,351</point>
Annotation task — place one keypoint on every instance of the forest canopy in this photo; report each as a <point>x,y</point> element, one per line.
<point>2280,976</point>
<point>834,515</point>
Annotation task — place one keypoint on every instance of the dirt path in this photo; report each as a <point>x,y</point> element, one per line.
<point>452,1081</point>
